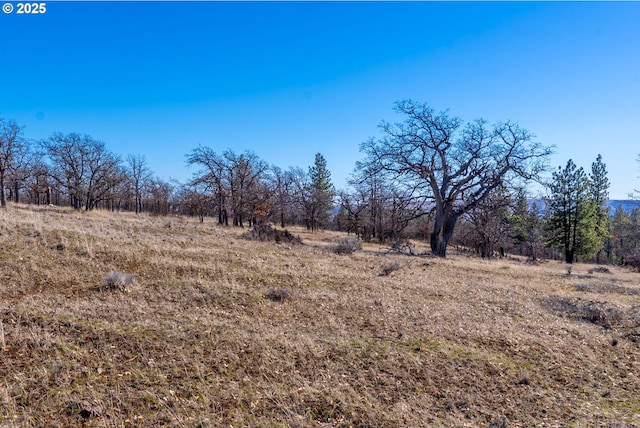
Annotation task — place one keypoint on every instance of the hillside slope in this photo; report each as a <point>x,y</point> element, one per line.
<point>216,330</point>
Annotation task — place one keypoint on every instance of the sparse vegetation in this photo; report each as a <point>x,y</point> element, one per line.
<point>348,245</point>
<point>599,269</point>
<point>199,341</point>
<point>116,280</point>
<point>277,294</point>
<point>403,246</point>
<point>600,313</point>
<point>265,232</point>
<point>389,267</point>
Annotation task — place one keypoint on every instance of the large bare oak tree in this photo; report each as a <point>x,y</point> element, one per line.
<point>454,167</point>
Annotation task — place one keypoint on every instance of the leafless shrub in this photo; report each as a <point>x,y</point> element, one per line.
<point>403,246</point>
<point>599,314</point>
<point>599,269</point>
<point>586,287</point>
<point>265,232</point>
<point>277,294</point>
<point>594,312</point>
<point>389,267</point>
<point>632,316</point>
<point>348,245</point>
<point>116,280</point>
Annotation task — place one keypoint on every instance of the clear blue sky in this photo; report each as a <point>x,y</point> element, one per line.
<point>287,80</point>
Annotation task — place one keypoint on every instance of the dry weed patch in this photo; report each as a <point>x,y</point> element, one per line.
<point>348,245</point>
<point>198,341</point>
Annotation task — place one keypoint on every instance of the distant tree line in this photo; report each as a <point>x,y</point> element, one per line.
<point>238,189</point>
<point>76,170</point>
<point>247,190</point>
<point>429,176</point>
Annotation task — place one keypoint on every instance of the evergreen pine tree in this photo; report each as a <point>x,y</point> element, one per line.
<point>571,223</point>
<point>619,234</point>
<point>526,226</point>
<point>599,193</point>
<point>321,192</point>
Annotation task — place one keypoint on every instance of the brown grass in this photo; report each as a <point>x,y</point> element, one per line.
<point>220,331</point>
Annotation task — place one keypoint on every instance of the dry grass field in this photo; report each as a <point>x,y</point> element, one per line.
<point>212,330</point>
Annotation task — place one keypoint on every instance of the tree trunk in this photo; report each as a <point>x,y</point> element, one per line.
<point>437,230</point>
<point>225,217</point>
<point>3,196</point>
<point>282,223</point>
<point>485,251</point>
<point>442,232</point>
<point>568,255</point>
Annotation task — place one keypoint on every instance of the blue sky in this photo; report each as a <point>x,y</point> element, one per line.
<point>289,79</point>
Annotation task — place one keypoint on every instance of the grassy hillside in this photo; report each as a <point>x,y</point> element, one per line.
<point>216,330</point>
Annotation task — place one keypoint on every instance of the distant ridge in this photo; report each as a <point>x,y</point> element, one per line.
<point>627,204</point>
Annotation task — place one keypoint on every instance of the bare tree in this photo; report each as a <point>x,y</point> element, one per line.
<point>160,196</point>
<point>244,175</point>
<point>83,167</point>
<point>489,222</point>
<point>301,194</point>
<point>193,199</point>
<point>235,182</point>
<point>26,164</point>
<point>388,208</point>
<point>210,177</point>
<point>353,215</point>
<point>139,175</point>
<point>453,169</point>
<point>37,181</point>
<point>281,183</point>
<point>12,150</point>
